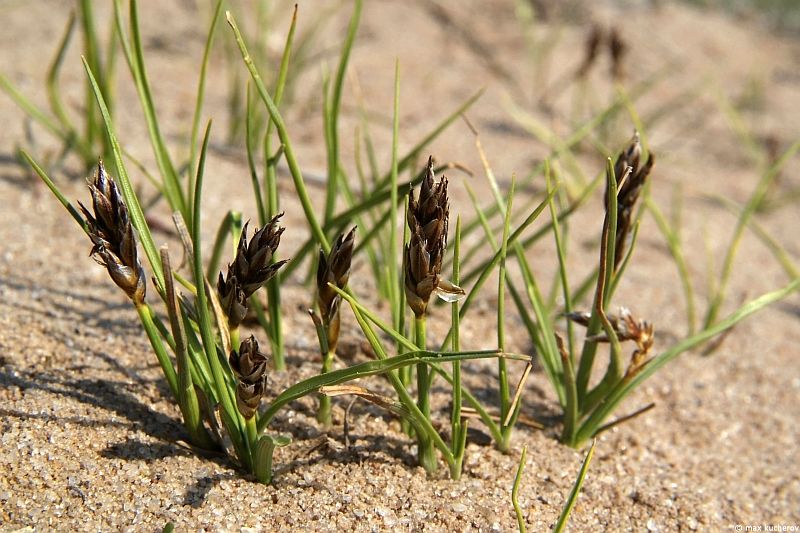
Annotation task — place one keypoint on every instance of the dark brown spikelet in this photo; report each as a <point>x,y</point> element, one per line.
<point>251,268</point>
<point>334,269</point>
<point>591,48</point>
<point>250,367</point>
<point>628,193</point>
<point>427,218</point>
<point>113,237</point>
<point>617,48</point>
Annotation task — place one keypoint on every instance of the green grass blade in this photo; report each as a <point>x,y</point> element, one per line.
<point>231,220</point>
<point>54,95</point>
<point>334,107</point>
<point>200,99</point>
<point>414,153</point>
<point>137,216</point>
<point>370,368</point>
<point>56,192</point>
<point>394,284</point>
<point>249,141</point>
<point>672,236</point>
<point>489,265</point>
<point>280,126</point>
<point>752,205</point>
<point>404,342</point>
<point>135,56</point>
<point>569,505</point>
<point>204,318</point>
<point>31,109</point>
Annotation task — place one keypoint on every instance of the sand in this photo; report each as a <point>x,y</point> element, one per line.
<point>91,442</point>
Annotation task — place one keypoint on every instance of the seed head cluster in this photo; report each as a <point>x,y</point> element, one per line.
<point>112,234</point>
<point>628,163</point>
<point>251,268</point>
<point>250,367</point>
<point>334,269</point>
<point>427,218</point>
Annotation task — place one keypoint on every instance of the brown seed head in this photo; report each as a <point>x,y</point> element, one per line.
<point>251,268</point>
<point>334,269</point>
<point>250,367</point>
<point>427,218</point>
<point>617,48</point>
<point>629,192</point>
<point>591,48</point>
<point>248,397</point>
<point>232,299</point>
<point>113,237</point>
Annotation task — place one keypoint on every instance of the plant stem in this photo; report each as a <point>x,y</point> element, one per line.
<point>458,432</point>
<point>425,450</point>
<point>146,317</point>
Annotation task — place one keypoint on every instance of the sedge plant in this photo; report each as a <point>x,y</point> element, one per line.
<point>588,405</point>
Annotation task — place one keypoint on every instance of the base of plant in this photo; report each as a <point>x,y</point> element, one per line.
<point>426,454</point>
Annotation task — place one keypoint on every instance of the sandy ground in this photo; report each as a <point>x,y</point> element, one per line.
<point>90,441</point>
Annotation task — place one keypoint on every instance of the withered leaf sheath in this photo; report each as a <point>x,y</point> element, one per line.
<point>250,269</point>
<point>630,190</point>
<point>627,328</point>
<point>334,269</point>
<point>250,367</point>
<point>112,234</point>
<point>427,218</point>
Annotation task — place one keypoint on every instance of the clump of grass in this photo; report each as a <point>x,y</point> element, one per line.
<point>587,406</point>
<point>220,384</point>
<point>221,396</point>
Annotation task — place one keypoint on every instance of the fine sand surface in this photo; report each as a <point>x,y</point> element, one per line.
<point>90,441</point>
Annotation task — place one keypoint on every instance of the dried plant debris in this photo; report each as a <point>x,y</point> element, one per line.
<point>627,328</point>
<point>112,234</point>
<point>427,218</point>
<point>251,268</point>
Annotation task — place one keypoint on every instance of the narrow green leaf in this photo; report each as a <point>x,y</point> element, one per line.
<point>137,216</point>
<point>569,505</point>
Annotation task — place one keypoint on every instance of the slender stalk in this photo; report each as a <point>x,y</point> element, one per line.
<point>334,107</point>
<point>425,451</point>
<point>324,410</point>
<point>288,151</point>
<point>502,371</point>
<point>221,383</point>
<point>146,317</point>
<point>395,283</point>
<point>473,402</point>
<point>457,431</point>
